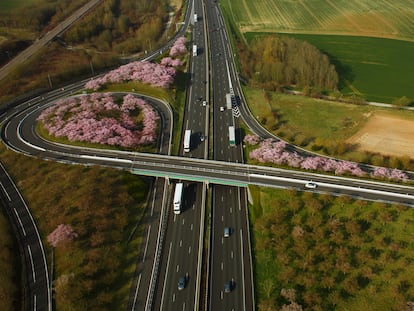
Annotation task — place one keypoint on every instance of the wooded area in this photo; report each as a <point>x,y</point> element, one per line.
<point>334,253</point>
<point>126,26</point>
<point>40,16</point>
<point>274,62</point>
<point>114,28</point>
<point>104,207</point>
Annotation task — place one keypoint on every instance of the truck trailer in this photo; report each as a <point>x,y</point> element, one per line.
<point>187,141</point>
<point>194,50</point>
<point>232,136</point>
<point>229,101</point>
<point>178,195</point>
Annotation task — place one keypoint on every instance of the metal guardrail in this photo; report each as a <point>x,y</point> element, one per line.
<point>155,268</point>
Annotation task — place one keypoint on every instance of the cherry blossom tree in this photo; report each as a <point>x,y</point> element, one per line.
<point>168,61</point>
<point>178,47</point>
<point>272,151</point>
<point>62,233</point>
<point>252,139</point>
<point>157,75</point>
<point>100,118</point>
<point>390,174</point>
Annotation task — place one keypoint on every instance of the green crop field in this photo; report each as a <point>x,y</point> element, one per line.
<point>377,69</point>
<point>373,18</point>
<point>353,33</point>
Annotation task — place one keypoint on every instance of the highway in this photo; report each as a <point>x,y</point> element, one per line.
<point>230,257</point>
<point>181,236</point>
<point>182,254</point>
<point>37,292</point>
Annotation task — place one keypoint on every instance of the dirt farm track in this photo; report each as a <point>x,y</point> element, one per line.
<point>387,135</point>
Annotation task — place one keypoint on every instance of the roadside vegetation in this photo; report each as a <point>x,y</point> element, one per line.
<point>104,120</point>
<point>35,16</point>
<point>10,278</point>
<point>93,267</point>
<point>323,126</point>
<point>275,63</point>
<point>321,252</point>
<point>97,42</point>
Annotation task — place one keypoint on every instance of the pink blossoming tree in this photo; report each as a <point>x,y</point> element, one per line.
<point>154,74</point>
<point>63,233</point>
<point>178,47</point>
<point>99,118</point>
<point>272,151</point>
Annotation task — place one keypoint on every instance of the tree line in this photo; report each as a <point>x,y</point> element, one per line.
<point>275,62</point>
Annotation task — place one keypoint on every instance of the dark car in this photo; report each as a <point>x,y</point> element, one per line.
<point>182,282</point>
<point>228,286</point>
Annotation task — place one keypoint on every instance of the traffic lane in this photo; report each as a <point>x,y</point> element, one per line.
<point>38,293</point>
<point>226,264</point>
<point>245,245</point>
<point>182,238</point>
<point>197,113</point>
<point>145,261</point>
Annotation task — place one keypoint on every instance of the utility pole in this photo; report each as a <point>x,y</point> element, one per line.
<point>50,81</point>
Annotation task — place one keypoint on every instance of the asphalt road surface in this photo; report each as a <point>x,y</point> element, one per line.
<point>37,292</point>
<point>230,257</point>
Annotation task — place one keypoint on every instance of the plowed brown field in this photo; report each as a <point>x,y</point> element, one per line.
<point>373,18</point>
<point>387,135</point>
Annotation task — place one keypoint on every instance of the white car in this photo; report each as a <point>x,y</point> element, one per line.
<point>221,108</point>
<point>311,185</point>
<point>204,103</point>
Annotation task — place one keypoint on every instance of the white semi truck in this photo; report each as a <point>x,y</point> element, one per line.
<point>229,101</point>
<point>232,136</point>
<point>187,141</point>
<point>178,195</point>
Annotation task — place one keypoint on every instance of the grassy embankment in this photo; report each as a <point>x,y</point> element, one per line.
<point>321,126</point>
<point>336,252</point>
<point>105,207</point>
